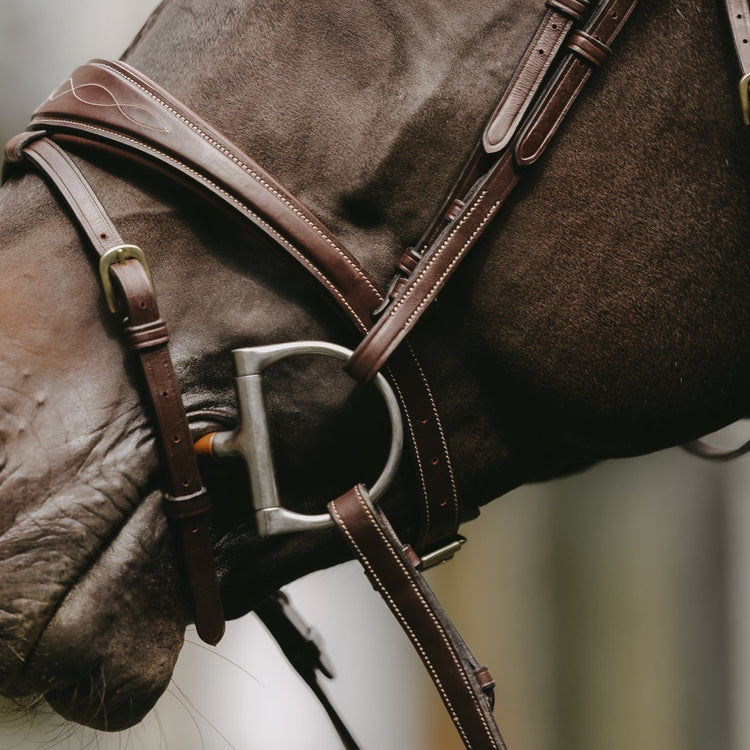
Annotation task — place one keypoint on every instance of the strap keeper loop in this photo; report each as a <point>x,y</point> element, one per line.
<point>188,506</point>
<point>486,683</point>
<point>408,261</point>
<point>575,9</point>
<point>147,335</point>
<point>589,48</point>
<point>15,146</point>
<point>745,98</point>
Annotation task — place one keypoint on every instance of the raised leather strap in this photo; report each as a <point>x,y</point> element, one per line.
<point>112,103</point>
<point>738,12</point>
<point>187,503</point>
<point>534,65</point>
<point>435,268</point>
<point>589,46</point>
<point>463,684</point>
<point>531,70</point>
<point>739,21</point>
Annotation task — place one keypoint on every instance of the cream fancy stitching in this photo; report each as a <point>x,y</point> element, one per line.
<point>258,178</point>
<point>404,622</point>
<point>424,603</point>
<point>76,89</point>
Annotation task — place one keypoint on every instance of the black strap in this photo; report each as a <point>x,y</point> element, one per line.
<point>303,648</point>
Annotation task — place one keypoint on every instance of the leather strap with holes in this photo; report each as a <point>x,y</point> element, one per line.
<point>531,70</point>
<point>586,49</point>
<point>187,503</point>
<point>560,17</point>
<point>465,687</point>
<point>738,12</point>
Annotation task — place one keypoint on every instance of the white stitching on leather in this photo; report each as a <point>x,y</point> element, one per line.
<point>401,617</point>
<point>269,188</point>
<point>446,452</point>
<point>420,467</point>
<point>404,623</point>
<point>268,228</point>
<point>427,297</point>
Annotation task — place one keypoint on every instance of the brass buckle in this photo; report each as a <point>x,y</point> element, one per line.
<point>119,254</point>
<point>745,98</point>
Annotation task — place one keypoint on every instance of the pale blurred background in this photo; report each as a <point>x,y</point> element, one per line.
<point>613,608</point>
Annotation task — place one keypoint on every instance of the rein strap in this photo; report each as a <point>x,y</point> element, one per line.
<point>465,686</point>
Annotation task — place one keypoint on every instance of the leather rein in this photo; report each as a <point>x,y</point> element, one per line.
<point>112,106</point>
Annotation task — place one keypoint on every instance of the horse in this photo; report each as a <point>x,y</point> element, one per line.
<point>601,315</point>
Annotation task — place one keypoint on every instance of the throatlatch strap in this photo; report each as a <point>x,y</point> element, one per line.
<point>464,685</point>
<point>586,49</point>
<point>187,503</point>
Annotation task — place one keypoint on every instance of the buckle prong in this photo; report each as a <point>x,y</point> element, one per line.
<point>119,254</point>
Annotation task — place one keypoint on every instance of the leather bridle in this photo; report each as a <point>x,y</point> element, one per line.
<point>573,39</point>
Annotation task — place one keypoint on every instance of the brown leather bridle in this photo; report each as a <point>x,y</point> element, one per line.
<point>573,38</point>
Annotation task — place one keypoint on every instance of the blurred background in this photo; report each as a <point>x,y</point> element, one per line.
<point>612,607</point>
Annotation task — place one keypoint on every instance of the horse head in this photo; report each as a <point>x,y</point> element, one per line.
<point>603,313</point>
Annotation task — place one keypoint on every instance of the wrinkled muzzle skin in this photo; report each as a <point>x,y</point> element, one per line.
<point>92,601</point>
<point>86,570</point>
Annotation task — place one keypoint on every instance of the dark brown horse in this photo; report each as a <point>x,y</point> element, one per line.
<point>603,314</point>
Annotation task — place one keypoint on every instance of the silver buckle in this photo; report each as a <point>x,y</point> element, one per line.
<point>251,439</point>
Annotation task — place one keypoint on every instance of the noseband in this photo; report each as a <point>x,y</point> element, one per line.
<point>573,39</point>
